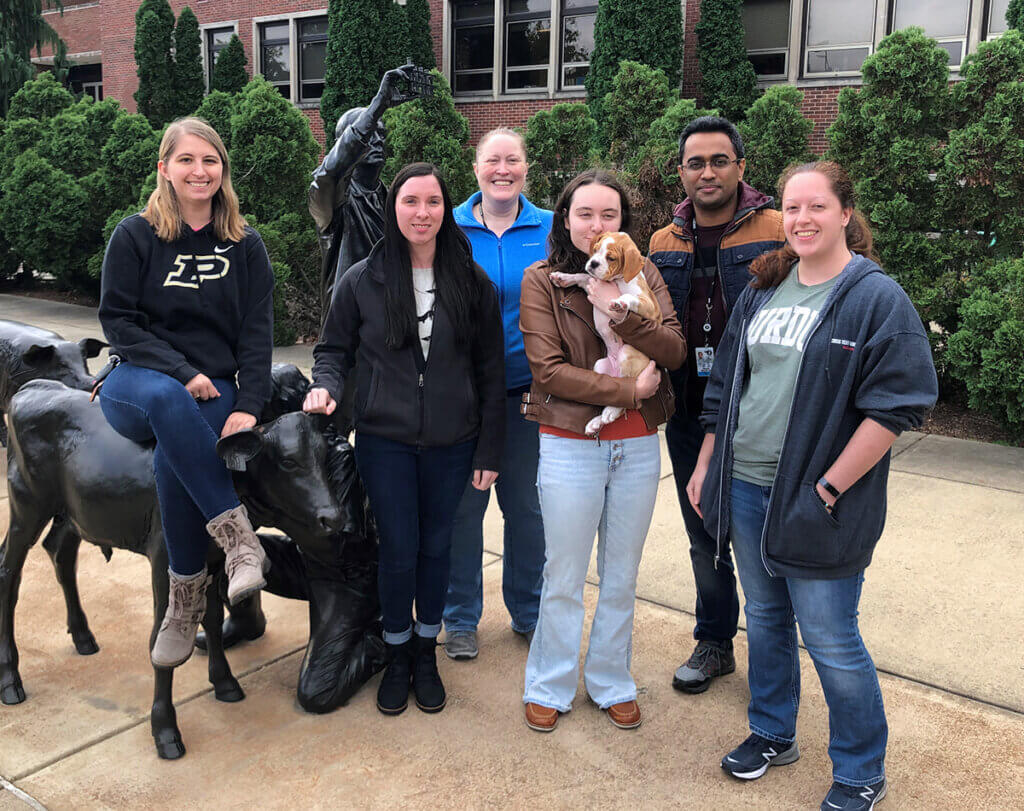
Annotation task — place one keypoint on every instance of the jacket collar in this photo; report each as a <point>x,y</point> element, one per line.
<point>529,214</point>
<point>748,200</point>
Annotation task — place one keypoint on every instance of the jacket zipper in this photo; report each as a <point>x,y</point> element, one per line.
<point>565,306</point>
<point>728,430</point>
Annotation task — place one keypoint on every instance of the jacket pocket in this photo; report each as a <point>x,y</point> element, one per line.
<point>804,533</point>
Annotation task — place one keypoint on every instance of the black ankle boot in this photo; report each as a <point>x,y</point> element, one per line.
<point>426,681</point>
<point>393,693</point>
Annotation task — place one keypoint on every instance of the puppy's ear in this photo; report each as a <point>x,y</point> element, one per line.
<point>632,259</point>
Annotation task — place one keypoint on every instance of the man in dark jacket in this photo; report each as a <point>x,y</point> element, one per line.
<point>704,256</point>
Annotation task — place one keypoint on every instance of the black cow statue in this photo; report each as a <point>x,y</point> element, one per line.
<point>29,353</point>
<point>66,463</point>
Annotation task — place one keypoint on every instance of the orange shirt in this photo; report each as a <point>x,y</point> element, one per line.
<point>630,425</point>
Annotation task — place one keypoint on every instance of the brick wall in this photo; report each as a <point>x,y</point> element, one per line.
<point>821,107</point>
<point>486,115</point>
<point>691,65</point>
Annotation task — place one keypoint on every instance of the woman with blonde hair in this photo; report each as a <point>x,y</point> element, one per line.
<point>186,304</point>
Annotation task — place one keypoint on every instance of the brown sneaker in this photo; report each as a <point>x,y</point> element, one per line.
<point>542,719</point>
<point>186,604</point>
<point>625,715</point>
<point>244,556</point>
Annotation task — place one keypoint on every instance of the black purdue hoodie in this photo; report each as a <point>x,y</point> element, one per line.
<point>195,305</point>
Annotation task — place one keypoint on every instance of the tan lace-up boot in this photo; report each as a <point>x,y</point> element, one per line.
<point>244,556</point>
<point>186,604</point>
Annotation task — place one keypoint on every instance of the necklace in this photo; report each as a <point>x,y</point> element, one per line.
<point>483,220</point>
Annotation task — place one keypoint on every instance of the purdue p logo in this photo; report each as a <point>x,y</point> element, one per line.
<point>191,271</point>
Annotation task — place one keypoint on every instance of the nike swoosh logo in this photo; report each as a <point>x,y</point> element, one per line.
<point>218,249</point>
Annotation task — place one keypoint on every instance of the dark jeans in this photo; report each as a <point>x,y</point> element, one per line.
<point>192,483</point>
<point>414,493</point>
<point>718,607</point>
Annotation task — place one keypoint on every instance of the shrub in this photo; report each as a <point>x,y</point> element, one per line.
<point>421,46</point>
<point>639,95</point>
<point>648,31</point>
<point>775,135</point>
<point>189,86</point>
<point>558,148</point>
<point>41,98</point>
<point>1015,15</point>
<point>985,353</point>
<point>129,156</point>
<point>22,28</point>
<point>728,81</point>
<point>229,74</point>
<point>432,130</point>
<point>216,110</point>
<point>273,152</point>
<point>294,251</point>
<point>154,31</point>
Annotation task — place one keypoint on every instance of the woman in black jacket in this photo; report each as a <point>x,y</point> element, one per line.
<point>422,319</point>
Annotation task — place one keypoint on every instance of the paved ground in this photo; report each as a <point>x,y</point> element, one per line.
<point>942,613</point>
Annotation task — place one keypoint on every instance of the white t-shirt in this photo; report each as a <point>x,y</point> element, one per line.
<point>423,287</point>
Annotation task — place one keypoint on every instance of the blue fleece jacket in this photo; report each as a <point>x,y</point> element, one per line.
<point>504,259</point>
<point>868,356</point>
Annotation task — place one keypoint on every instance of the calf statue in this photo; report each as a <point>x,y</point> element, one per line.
<point>29,353</point>
<point>67,464</point>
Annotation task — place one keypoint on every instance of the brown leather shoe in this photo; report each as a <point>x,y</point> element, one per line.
<point>625,715</point>
<point>542,719</point>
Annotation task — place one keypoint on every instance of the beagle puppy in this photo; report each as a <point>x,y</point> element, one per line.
<point>614,257</point>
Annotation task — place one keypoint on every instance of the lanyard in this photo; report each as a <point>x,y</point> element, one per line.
<point>698,256</point>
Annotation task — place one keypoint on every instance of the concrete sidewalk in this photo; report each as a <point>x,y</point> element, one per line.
<point>942,613</point>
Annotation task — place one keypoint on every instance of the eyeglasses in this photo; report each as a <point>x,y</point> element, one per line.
<point>717,163</point>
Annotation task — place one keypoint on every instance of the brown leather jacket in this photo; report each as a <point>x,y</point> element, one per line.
<point>563,346</point>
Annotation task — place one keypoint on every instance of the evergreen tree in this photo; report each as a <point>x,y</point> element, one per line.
<point>775,135</point>
<point>647,31</point>
<point>1015,15</point>
<point>154,31</point>
<point>365,39</point>
<point>41,98</point>
<point>558,145</point>
<point>216,110</point>
<point>188,64</point>
<point>640,95</point>
<point>22,28</point>
<point>728,81</point>
<point>229,74</point>
<point>421,46</point>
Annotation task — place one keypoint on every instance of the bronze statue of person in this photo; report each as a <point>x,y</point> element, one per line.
<point>346,197</point>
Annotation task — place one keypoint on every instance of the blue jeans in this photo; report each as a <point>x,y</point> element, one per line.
<point>414,493</point>
<point>590,488</point>
<point>827,613</point>
<point>718,606</point>
<point>523,562</point>
<point>192,483</point>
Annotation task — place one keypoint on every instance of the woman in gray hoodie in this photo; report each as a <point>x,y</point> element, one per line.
<point>823,363</point>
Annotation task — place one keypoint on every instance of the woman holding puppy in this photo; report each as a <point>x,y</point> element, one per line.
<point>604,486</point>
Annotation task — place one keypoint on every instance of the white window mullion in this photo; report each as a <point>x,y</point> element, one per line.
<point>499,48</point>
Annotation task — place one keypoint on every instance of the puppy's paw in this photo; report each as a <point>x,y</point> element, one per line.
<point>562,279</point>
<point>594,426</point>
<point>625,303</point>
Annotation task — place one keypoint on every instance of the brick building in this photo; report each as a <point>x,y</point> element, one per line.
<point>506,59</point>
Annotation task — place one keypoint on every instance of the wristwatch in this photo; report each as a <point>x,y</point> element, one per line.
<point>829,488</point>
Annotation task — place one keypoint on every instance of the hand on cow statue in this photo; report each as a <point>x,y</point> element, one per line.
<point>319,401</point>
<point>238,421</point>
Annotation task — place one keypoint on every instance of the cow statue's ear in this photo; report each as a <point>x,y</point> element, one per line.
<point>91,347</point>
<point>38,355</point>
<point>240,448</point>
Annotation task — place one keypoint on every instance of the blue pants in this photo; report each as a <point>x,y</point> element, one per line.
<point>718,607</point>
<point>590,488</point>
<point>827,613</point>
<point>523,562</point>
<point>414,493</point>
<point>192,483</point>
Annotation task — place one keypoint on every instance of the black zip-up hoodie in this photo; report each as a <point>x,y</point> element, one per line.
<point>195,305</point>
<point>868,356</point>
<point>456,394</point>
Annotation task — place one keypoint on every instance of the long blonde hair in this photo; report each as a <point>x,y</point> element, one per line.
<point>162,210</point>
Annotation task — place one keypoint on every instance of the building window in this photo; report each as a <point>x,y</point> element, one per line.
<point>217,40</point>
<point>838,38</point>
<point>766,27</point>
<point>946,22</point>
<point>87,80</point>
<point>578,18</point>
<point>996,18</point>
<point>275,56</point>
<point>312,34</point>
<point>527,44</point>
<point>473,46</point>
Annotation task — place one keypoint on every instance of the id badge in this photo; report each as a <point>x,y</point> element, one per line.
<point>705,360</point>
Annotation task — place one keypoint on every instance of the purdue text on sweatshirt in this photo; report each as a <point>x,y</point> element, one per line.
<point>198,305</point>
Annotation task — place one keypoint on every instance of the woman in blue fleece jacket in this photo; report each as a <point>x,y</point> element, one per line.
<point>823,363</point>
<point>508,234</point>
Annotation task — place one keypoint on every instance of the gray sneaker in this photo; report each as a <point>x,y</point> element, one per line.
<point>461,645</point>
<point>708,661</point>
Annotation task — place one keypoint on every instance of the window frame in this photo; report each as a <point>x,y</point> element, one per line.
<point>208,56</point>
<point>563,15</point>
<point>477,22</point>
<point>312,39</point>
<point>806,48</point>
<point>294,64</point>
<point>989,34</point>
<point>963,40</point>
<point>784,50</point>
<point>508,20</point>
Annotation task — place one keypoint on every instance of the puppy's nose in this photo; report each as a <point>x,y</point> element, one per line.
<point>591,264</point>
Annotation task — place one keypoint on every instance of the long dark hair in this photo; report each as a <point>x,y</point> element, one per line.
<point>455,276</point>
<point>771,269</point>
<point>563,256</point>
